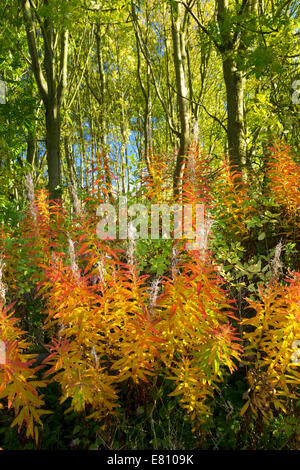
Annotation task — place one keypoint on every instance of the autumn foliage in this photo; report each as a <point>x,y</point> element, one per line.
<point>104,323</point>
<point>273,348</point>
<point>284,180</point>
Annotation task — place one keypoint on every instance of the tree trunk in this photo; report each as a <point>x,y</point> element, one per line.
<point>234,82</point>
<point>182,95</point>
<point>53,150</point>
<point>147,118</point>
<point>102,115</point>
<point>232,49</point>
<point>50,87</point>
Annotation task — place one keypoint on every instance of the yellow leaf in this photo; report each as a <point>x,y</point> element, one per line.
<point>245,407</point>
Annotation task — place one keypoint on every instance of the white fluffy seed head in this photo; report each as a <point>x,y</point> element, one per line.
<point>76,202</point>
<point>131,245</point>
<point>276,263</point>
<point>101,271</point>
<point>31,196</point>
<point>2,285</point>
<point>154,294</point>
<point>73,264</point>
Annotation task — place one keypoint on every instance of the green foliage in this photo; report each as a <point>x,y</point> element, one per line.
<point>138,344</point>
<point>153,256</point>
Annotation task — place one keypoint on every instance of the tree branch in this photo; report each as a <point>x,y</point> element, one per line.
<point>36,66</point>
<point>146,54</point>
<point>199,23</point>
<point>63,66</point>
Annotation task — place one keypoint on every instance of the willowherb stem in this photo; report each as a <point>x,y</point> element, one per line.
<point>296,352</point>
<point>174,262</point>
<point>131,246</point>
<point>94,356</point>
<point>31,197</point>
<point>76,202</point>
<point>276,263</point>
<point>29,187</point>
<point>2,285</point>
<point>73,263</point>
<point>204,237</point>
<point>102,272</point>
<point>153,294</point>
<point>62,327</point>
